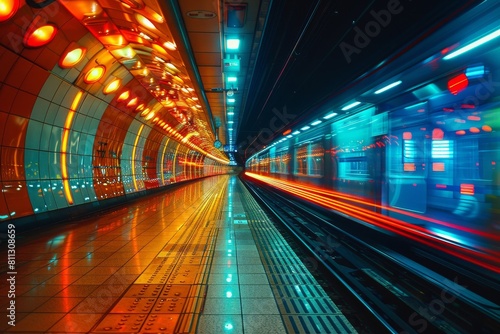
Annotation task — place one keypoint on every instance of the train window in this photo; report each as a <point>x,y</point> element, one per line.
<point>282,161</point>
<point>301,160</point>
<point>316,159</point>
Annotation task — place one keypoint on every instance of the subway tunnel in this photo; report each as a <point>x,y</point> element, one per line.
<point>249,166</point>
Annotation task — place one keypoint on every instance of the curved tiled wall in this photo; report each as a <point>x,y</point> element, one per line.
<point>63,141</point>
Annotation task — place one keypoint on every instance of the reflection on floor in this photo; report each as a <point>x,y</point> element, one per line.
<point>201,258</point>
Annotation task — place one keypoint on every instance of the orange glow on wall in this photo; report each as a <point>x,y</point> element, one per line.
<point>36,37</point>
<point>473,129</point>
<point>112,86</point>
<point>438,166</point>
<point>287,132</point>
<point>134,178</point>
<point>72,56</point>
<point>8,8</point>
<point>64,147</point>
<point>123,96</point>
<point>94,74</point>
<point>467,189</point>
<point>460,132</point>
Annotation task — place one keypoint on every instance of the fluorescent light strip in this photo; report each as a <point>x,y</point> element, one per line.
<point>473,45</point>
<point>296,132</point>
<point>134,178</point>
<point>392,85</point>
<point>350,106</point>
<point>64,146</point>
<point>316,122</point>
<point>305,128</point>
<point>330,115</point>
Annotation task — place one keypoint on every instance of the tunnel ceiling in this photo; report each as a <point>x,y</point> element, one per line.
<point>222,99</point>
<point>311,51</point>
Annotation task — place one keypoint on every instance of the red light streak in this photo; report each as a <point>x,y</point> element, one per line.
<point>363,210</point>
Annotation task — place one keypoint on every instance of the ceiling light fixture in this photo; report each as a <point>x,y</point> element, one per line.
<point>72,55</point>
<point>94,74</point>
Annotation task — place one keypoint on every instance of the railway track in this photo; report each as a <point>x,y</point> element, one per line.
<point>396,286</point>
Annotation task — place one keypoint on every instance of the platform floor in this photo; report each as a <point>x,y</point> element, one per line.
<point>201,258</point>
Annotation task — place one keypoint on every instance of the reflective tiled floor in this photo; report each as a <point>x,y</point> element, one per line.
<point>201,258</point>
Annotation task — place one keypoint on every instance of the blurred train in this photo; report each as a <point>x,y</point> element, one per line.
<point>419,134</point>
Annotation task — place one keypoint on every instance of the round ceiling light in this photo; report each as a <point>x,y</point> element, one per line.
<point>112,86</point>
<point>94,74</point>
<point>123,96</point>
<point>72,56</point>
<point>39,36</point>
<point>8,8</point>
<point>145,22</point>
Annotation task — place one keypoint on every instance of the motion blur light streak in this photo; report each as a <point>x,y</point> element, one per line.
<point>482,257</point>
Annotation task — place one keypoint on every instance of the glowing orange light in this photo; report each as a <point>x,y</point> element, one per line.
<point>473,118</point>
<point>474,130</point>
<point>94,74</point>
<point>145,22</point>
<point>72,56</point>
<point>40,36</point>
<point>64,147</point>
<point>8,8</point>
<point>170,45</point>
<point>159,48</point>
<point>154,15</point>
<point>123,96</point>
<point>135,4</point>
<point>486,128</point>
<point>438,166</point>
<point>467,189</point>
<point>287,132</point>
<point>437,134</point>
<point>112,86</point>
<point>145,112</point>
<point>139,107</point>
<point>409,167</point>
<point>132,102</point>
<point>407,135</point>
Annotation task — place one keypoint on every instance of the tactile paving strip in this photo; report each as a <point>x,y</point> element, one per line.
<point>302,302</point>
<point>169,295</point>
